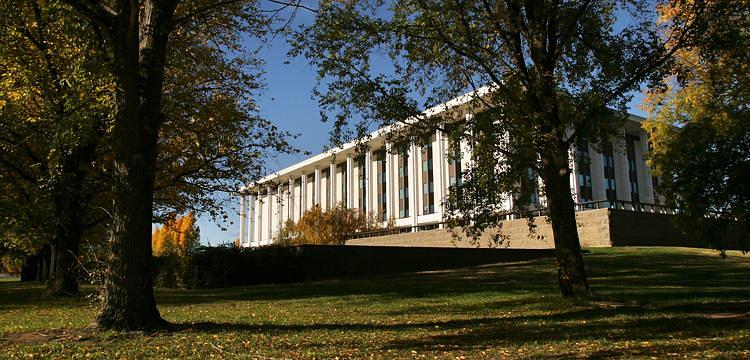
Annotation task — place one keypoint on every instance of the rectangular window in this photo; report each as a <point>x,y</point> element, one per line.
<point>362,184</point>
<point>454,170</point>
<point>403,182</point>
<point>381,183</point>
<point>428,178</point>
<point>533,186</point>
<point>632,166</point>
<point>311,180</point>
<point>610,184</point>
<point>583,167</point>
<point>341,170</point>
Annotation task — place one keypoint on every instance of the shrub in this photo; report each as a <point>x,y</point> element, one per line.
<point>331,227</point>
<point>223,266</point>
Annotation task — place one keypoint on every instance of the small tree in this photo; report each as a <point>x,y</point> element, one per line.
<point>178,236</point>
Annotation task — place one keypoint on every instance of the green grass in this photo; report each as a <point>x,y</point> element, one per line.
<point>650,302</point>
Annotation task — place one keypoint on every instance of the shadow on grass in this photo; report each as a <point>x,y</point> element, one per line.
<point>625,324</point>
<point>642,296</point>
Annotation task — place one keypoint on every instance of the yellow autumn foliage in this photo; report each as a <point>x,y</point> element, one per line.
<point>325,227</point>
<point>177,236</point>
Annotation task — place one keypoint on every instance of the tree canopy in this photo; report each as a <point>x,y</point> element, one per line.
<point>699,120</point>
<point>540,76</point>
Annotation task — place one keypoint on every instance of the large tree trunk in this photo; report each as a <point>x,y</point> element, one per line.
<point>129,302</point>
<point>556,176</point>
<point>140,47</point>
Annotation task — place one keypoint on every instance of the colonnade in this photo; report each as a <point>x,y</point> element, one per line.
<point>377,183</point>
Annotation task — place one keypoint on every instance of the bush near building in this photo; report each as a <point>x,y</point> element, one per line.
<point>328,227</point>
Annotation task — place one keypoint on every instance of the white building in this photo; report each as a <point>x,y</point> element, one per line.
<point>409,187</point>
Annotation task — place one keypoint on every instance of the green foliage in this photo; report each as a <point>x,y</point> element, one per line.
<point>54,101</point>
<point>553,72</point>
<point>539,76</point>
<point>699,121</point>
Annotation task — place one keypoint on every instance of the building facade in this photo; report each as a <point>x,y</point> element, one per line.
<point>408,185</point>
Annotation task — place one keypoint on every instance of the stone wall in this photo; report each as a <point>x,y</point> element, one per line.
<point>596,228</point>
<point>593,229</point>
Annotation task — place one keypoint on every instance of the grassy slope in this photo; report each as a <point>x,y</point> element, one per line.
<point>648,304</point>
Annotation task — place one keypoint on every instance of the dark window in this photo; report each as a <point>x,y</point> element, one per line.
<point>362,183</point>
<point>381,183</point>
<point>583,167</point>
<point>454,170</point>
<point>326,174</point>
<point>632,166</point>
<point>341,169</point>
<point>610,184</point>
<point>312,176</point>
<point>403,182</point>
<point>533,186</point>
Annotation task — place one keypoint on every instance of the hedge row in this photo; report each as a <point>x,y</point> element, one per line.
<point>213,267</point>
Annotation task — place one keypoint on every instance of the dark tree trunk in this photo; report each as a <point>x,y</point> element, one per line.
<point>556,176</point>
<point>139,43</point>
<point>31,268</point>
<point>129,302</point>
<point>63,280</point>
<point>68,228</point>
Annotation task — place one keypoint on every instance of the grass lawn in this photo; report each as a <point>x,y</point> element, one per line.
<point>650,302</point>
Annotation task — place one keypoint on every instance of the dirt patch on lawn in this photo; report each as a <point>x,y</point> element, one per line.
<point>33,337</point>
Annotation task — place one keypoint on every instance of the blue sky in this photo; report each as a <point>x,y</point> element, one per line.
<point>288,103</point>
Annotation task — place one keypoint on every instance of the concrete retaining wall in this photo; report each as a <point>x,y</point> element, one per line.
<point>596,228</point>
<point>593,229</point>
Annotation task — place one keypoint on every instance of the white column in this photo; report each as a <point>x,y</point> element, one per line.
<point>243,218</point>
<point>258,218</point>
<point>439,162</point>
<point>388,183</point>
<point>269,209</point>
<point>290,200</point>
<point>598,190</point>
<point>415,182</point>
<point>303,194</point>
<point>280,208</point>
<point>349,182</point>
<point>332,184</point>
<point>252,223</point>
<point>368,184</point>
<point>621,168</point>
<point>316,187</point>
